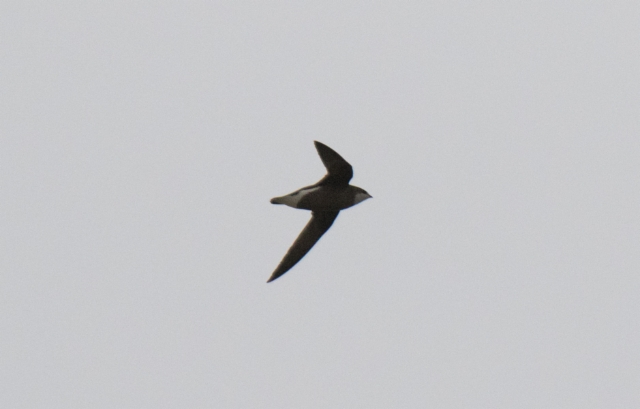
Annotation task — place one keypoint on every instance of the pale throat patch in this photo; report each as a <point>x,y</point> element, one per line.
<point>294,198</point>
<point>360,197</point>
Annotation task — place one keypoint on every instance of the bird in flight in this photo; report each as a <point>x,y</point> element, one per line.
<point>325,199</point>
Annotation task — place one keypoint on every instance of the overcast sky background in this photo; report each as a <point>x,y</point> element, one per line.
<point>497,265</point>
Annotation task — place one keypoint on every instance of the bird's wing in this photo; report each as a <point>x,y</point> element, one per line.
<point>317,226</point>
<point>339,172</point>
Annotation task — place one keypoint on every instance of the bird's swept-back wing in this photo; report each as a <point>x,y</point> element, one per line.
<point>339,170</point>
<point>317,226</point>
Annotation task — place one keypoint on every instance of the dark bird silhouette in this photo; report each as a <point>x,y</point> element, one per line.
<point>325,199</point>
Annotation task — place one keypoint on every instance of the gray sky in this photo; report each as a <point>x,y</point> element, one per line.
<point>496,267</point>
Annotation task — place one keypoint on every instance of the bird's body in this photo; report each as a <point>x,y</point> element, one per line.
<point>325,199</point>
